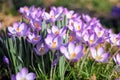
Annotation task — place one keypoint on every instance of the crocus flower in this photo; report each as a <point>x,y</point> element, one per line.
<point>56,31</point>
<point>115,39</point>
<point>36,25</point>
<point>24,75</point>
<point>115,11</point>
<point>24,10</point>
<point>72,37</point>
<point>18,29</point>
<point>86,18</point>
<point>55,14</point>
<point>117,59</point>
<point>41,49</point>
<point>72,52</point>
<point>75,25</point>
<point>71,15</point>
<point>35,13</point>
<point>53,42</point>
<point>99,31</point>
<point>99,54</point>
<point>6,60</point>
<point>34,38</point>
<point>90,38</point>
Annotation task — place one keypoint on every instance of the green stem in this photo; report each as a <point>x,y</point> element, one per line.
<point>65,70</point>
<point>43,64</point>
<point>84,59</point>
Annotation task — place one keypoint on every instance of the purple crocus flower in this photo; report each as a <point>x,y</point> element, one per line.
<point>89,38</point>
<point>115,11</point>
<point>117,59</point>
<point>53,42</point>
<point>71,15</point>
<point>34,11</point>
<point>99,31</point>
<point>115,39</point>
<point>24,10</point>
<point>36,25</point>
<point>72,37</point>
<point>86,18</point>
<point>24,75</point>
<point>99,54</point>
<point>56,31</point>
<point>6,60</point>
<point>55,14</point>
<point>41,49</point>
<point>75,25</point>
<point>72,52</point>
<point>34,38</point>
<point>18,29</point>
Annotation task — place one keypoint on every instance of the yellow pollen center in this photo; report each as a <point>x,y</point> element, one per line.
<point>78,27</point>
<point>18,29</point>
<point>36,38</point>
<point>91,41</point>
<point>23,78</point>
<point>36,25</point>
<point>99,34</point>
<point>52,16</point>
<point>70,39</point>
<point>54,45</point>
<point>73,55</point>
<point>41,50</point>
<point>56,32</point>
<point>98,57</point>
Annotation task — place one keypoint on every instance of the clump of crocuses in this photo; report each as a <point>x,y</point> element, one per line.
<point>64,31</point>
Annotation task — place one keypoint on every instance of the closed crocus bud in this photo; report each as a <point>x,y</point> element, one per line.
<point>6,60</point>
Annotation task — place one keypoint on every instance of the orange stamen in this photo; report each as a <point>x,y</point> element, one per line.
<point>70,39</point>
<point>56,32</point>
<point>73,55</point>
<point>36,25</point>
<point>36,38</point>
<point>41,50</point>
<point>18,29</point>
<point>54,45</point>
<point>78,27</point>
<point>98,57</point>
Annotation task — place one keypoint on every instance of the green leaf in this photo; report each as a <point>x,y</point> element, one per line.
<point>62,67</point>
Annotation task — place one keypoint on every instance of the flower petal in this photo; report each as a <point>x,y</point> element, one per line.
<point>19,76</point>
<point>71,47</point>
<point>31,76</point>
<point>78,49</point>
<point>64,51</point>
<point>11,30</point>
<point>93,52</point>
<point>24,71</point>
<point>100,51</point>
<point>105,57</point>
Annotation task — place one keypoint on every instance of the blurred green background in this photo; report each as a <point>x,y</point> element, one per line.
<point>95,8</point>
